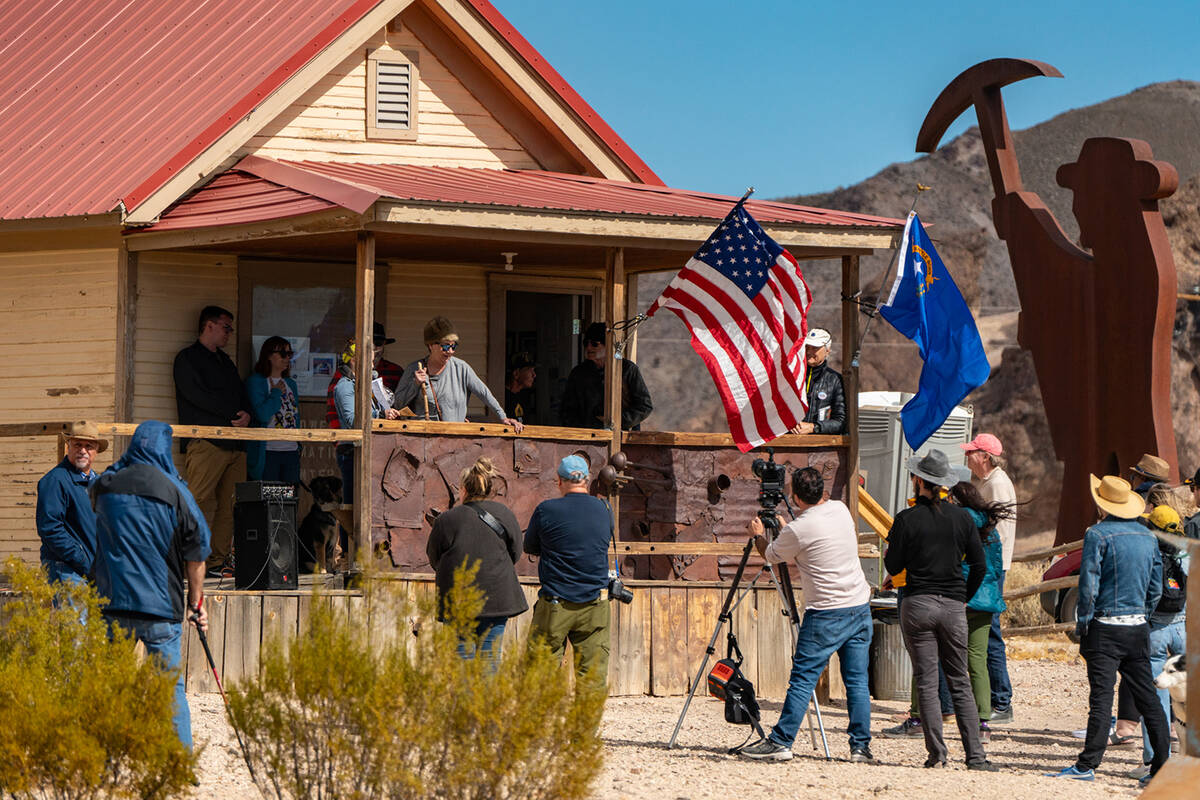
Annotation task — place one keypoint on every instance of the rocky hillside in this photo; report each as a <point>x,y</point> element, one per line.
<point>957,212</point>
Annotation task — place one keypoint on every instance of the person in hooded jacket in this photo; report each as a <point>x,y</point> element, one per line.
<point>150,536</point>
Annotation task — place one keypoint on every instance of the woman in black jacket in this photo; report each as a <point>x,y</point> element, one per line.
<point>480,531</point>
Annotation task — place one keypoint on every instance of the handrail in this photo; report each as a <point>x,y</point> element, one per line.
<point>424,426</point>
<point>195,432</point>
<point>1065,582</point>
<point>1041,555</point>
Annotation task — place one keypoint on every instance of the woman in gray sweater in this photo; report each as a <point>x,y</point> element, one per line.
<point>438,386</point>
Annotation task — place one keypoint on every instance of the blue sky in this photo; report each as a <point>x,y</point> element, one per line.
<point>798,97</point>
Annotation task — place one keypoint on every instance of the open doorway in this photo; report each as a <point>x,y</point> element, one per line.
<point>545,320</point>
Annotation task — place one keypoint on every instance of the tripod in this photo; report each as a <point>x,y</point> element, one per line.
<point>787,596</point>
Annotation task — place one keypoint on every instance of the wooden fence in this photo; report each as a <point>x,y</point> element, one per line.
<point>658,640</point>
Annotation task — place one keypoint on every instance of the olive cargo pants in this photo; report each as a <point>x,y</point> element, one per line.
<point>585,625</point>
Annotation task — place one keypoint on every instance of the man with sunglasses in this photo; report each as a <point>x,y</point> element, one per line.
<point>66,523</point>
<point>583,398</point>
<point>437,387</point>
<point>209,391</point>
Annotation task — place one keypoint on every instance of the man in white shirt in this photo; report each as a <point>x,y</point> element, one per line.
<point>986,462</point>
<point>823,544</point>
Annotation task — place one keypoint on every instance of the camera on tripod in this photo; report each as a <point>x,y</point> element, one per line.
<point>772,478</point>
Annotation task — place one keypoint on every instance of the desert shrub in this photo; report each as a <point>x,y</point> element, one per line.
<point>1025,611</point>
<point>81,716</point>
<point>335,713</point>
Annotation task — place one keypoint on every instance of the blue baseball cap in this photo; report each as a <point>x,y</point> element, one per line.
<point>573,468</point>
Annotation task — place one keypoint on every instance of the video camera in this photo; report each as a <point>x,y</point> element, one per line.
<point>772,482</point>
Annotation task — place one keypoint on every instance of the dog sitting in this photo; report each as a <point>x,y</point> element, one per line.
<point>318,533</point>
<point>1173,678</point>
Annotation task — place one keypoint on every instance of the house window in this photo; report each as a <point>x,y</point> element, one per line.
<point>392,80</point>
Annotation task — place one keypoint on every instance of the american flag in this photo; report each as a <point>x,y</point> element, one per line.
<point>744,300</point>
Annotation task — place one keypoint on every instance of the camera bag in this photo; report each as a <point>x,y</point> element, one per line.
<point>727,682</point>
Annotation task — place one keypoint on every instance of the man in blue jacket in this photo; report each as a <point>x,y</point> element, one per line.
<point>1120,581</point>
<point>150,534</point>
<point>65,520</point>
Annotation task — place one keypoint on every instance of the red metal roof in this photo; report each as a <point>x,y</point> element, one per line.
<point>103,101</point>
<point>236,198</point>
<point>217,204</point>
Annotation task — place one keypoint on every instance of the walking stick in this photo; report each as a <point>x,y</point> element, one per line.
<point>424,395</point>
<point>195,617</point>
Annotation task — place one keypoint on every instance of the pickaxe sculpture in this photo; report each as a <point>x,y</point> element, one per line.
<point>1097,323</point>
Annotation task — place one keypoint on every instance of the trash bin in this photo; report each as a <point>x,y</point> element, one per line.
<point>891,669</point>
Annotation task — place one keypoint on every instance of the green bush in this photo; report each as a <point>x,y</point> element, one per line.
<point>335,713</point>
<point>80,716</point>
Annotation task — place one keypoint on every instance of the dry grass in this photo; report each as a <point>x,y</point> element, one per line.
<point>1044,647</point>
<point>1025,612</point>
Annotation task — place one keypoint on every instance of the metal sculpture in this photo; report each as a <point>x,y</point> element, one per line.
<point>1097,323</point>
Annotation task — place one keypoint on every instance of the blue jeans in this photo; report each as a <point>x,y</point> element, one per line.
<point>997,663</point>
<point>823,632</point>
<point>60,572</point>
<point>487,642</point>
<point>1165,641</point>
<point>163,639</point>
<point>282,466</point>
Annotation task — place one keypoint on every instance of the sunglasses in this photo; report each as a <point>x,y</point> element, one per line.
<point>596,342</point>
<point>286,353</point>
<point>449,348</point>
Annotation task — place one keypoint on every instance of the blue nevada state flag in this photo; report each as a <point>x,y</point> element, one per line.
<point>927,307</point>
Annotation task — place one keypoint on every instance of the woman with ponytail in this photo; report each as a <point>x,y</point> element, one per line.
<point>480,531</point>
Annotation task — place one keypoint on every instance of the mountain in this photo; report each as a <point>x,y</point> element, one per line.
<point>957,212</point>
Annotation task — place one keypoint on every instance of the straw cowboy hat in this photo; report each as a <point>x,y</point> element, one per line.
<point>1115,496</point>
<point>1153,467</point>
<point>934,467</point>
<point>88,431</point>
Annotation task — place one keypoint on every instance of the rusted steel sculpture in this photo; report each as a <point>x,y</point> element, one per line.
<point>1097,323</point>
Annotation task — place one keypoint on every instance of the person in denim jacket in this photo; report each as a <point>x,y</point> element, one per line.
<point>1120,581</point>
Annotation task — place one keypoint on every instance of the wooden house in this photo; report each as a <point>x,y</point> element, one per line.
<point>320,164</point>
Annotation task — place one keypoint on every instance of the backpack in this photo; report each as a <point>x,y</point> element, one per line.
<point>1174,581</point>
<point>726,682</point>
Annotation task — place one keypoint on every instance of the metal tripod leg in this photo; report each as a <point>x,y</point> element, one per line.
<point>724,617</point>
<point>789,605</point>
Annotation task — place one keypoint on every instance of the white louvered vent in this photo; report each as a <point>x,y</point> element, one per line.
<point>393,96</point>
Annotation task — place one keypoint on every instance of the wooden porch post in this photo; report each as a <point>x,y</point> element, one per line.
<point>614,307</point>
<point>127,281</point>
<point>364,293</point>
<point>850,375</point>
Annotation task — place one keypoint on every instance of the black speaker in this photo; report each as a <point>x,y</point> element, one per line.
<point>264,536</point>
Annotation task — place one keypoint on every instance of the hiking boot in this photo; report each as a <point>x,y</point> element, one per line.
<point>861,755</point>
<point>985,733</point>
<point>1074,773</point>
<point>909,729</point>
<point>983,766</point>
<point>1002,716</point>
<point>935,763</point>
<point>766,750</point>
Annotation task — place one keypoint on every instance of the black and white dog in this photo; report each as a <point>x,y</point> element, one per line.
<point>318,533</point>
<point>1173,678</point>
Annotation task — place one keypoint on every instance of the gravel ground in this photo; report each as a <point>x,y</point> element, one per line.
<point>1051,700</point>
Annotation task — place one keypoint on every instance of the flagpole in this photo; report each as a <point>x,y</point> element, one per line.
<point>882,280</point>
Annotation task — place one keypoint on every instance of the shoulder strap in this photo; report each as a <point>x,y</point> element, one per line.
<point>488,519</point>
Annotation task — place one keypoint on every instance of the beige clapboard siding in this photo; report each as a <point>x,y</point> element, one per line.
<point>58,346</point>
<point>172,288</point>
<point>418,292</point>
<point>328,123</point>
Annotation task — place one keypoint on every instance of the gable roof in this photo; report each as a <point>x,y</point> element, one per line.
<point>104,101</point>
<point>260,189</point>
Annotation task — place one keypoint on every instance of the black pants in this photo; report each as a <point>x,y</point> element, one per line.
<point>1110,649</point>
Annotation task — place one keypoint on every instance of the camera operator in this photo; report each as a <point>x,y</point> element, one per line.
<point>824,545</point>
<point>570,534</point>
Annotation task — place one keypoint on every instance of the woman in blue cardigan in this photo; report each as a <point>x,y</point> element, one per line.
<point>274,403</point>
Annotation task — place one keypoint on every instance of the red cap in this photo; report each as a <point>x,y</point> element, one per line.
<point>985,442</point>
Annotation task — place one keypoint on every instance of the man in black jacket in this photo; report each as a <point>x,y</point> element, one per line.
<point>583,399</point>
<point>823,388</point>
<point>209,391</point>
<point>932,541</point>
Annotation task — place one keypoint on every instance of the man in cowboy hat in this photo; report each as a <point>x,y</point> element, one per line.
<point>66,523</point>
<point>985,459</point>
<point>932,540</point>
<point>1149,470</point>
<point>583,396</point>
<point>823,387</point>
<point>1120,582</point>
